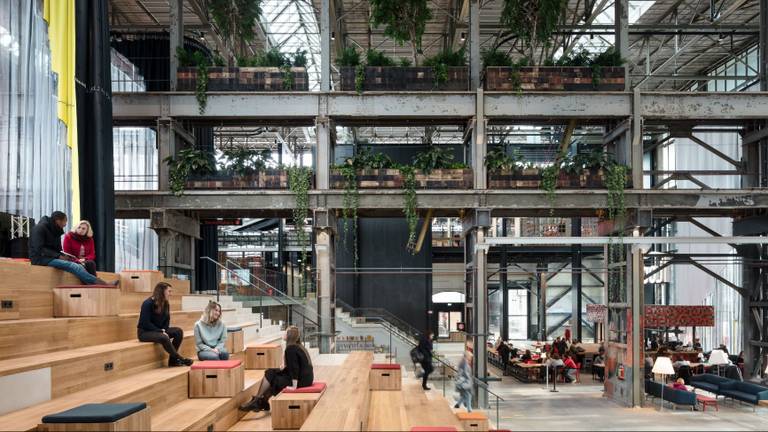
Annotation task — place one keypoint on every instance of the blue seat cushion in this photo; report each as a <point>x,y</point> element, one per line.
<point>95,413</point>
<point>706,386</point>
<point>740,395</point>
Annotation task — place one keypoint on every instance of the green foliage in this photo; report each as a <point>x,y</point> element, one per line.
<point>287,77</point>
<point>404,62</point>
<point>403,20</point>
<point>273,58</point>
<point>236,18</point>
<point>549,177</point>
<point>245,161</point>
<point>441,61</point>
<point>349,57</point>
<point>532,20</point>
<point>350,202</point>
<point>219,61</point>
<point>495,57</point>
<point>498,160</point>
<point>359,78</point>
<point>608,58</point>
<point>300,58</point>
<point>435,158</point>
<point>410,204</point>
<point>188,161</point>
<point>378,58</point>
<point>299,179</point>
<point>615,182</point>
<point>199,60</point>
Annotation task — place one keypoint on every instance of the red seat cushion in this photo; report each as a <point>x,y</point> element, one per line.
<point>88,286</point>
<point>385,366</point>
<point>217,364</point>
<point>433,429</point>
<point>316,387</point>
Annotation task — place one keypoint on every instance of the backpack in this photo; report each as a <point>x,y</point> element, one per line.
<point>416,355</point>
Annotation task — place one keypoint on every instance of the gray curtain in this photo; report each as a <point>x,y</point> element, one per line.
<point>35,162</point>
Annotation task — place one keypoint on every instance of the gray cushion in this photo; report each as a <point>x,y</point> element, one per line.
<point>95,413</point>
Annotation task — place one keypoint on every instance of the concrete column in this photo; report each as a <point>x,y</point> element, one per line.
<point>503,284</point>
<point>176,239</point>
<point>166,144</point>
<point>479,149</point>
<point>475,63</point>
<point>635,270</point>
<point>325,259</point>
<point>324,152</point>
<point>325,45</point>
<point>621,31</point>
<point>541,277</point>
<point>763,53</point>
<point>480,299</point>
<point>176,19</point>
<point>576,263</point>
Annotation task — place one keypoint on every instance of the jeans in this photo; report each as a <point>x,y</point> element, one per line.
<point>465,397</point>
<point>570,375</point>
<point>210,355</point>
<point>170,340</point>
<point>75,269</point>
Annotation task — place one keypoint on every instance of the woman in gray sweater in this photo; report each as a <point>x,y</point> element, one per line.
<point>211,334</point>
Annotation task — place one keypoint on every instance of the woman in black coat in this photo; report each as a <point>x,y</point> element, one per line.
<point>425,347</point>
<point>297,372</point>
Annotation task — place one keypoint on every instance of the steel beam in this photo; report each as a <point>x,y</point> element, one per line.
<point>390,202</point>
<point>447,106</point>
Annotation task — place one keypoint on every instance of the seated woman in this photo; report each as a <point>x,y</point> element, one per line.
<point>570,368</point>
<point>297,372</point>
<point>211,334</point>
<point>598,364</point>
<point>679,385</point>
<point>527,356</point>
<point>79,244</point>
<point>155,325</point>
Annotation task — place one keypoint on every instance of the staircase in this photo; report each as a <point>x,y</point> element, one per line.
<point>264,329</point>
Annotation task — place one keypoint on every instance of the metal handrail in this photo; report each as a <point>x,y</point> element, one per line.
<point>229,271</point>
<point>444,363</point>
<point>389,316</point>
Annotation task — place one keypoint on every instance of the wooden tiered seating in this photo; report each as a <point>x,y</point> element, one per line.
<point>473,421</point>
<point>350,385</point>
<point>385,376</point>
<point>235,342</point>
<point>409,408</point>
<point>140,280</point>
<point>263,356</point>
<point>291,407</point>
<point>216,378</point>
<point>86,301</point>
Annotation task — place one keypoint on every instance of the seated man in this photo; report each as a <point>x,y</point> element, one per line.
<point>45,249</point>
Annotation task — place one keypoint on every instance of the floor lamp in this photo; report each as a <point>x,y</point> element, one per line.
<point>663,366</point>
<point>718,357</point>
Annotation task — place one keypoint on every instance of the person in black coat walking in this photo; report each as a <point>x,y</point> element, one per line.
<point>425,347</point>
<point>297,372</point>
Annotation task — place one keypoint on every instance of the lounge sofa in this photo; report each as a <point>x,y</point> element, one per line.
<point>744,391</point>
<point>676,397</point>
<point>709,382</point>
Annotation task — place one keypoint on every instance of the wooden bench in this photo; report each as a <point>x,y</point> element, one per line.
<point>349,385</point>
<point>385,376</point>
<point>473,421</point>
<point>235,340</point>
<point>263,356</point>
<point>140,280</point>
<point>99,417</point>
<point>22,338</point>
<point>292,406</point>
<point>420,410</point>
<point>216,378</point>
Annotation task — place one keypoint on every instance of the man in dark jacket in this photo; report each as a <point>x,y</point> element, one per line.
<point>425,347</point>
<point>45,248</point>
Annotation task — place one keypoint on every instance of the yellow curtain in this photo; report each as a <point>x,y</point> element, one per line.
<point>60,15</point>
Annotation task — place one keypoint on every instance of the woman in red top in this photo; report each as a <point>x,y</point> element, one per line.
<point>79,244</point>
<point>570,368</point>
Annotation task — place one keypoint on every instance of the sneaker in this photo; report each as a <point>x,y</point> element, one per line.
<point>426,388</point>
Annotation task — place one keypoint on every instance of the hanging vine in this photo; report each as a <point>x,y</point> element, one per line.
<point>351,202</point>
<point>410,204</point>
<point>615,182</point>
<point>549,177</point>
<point>299,179</point>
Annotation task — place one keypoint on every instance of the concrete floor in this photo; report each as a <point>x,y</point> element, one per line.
<point>582,407</point>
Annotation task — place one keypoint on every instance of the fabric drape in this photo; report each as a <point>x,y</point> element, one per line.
<point>94,93</point>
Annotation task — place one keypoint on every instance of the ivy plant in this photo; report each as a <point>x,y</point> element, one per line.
<point>299,180</point>
<point>410,204</point>
<point>616,182</point>
<point>549,176</point>
<point>188,161</point>
<point>403,21</point>
<point>200,61</point>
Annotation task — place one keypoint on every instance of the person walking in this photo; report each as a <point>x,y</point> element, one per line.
<point>464,383</point>
<point>425,348</point>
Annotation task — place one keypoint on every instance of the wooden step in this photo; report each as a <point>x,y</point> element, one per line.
<point>423,410</point>
<point>160,388</point>
<point>22,338</point>
<point>204,414</point>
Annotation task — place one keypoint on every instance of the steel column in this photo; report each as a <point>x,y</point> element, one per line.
<point>576,281</point>
<point>324,151</point>
<point>475,63</point>
<point>480,299</point>
<point>325,45</point>
<point>503,285</point>
<point>635,271</point>
<point>326,288</point>
<point>176,18</point>
<point>479,148</point>
<point>621,34</point>
<point>166,144</point>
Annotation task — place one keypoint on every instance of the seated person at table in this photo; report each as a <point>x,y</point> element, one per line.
<point>679,385</point>
<point>554,362</point>
<point>513,352</point>
<point>599,363</point>
<point>696,345</point>
<point>297,372</point>
<point>526,357</point>
<point>570,368</point>
<point>504,352</point>
<point>211,334</point>
<point>680,361</point>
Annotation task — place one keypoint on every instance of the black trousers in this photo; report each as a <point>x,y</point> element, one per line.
<point>90,267</point>
<point>170,340</point>
<point>427,366</point>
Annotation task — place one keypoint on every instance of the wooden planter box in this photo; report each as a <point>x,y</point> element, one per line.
<point>410,78</point>
<point>531,179</point>
<point>391,179</point>
<point>265,179</point>
<point>243,79</point>
<point>543,78</point>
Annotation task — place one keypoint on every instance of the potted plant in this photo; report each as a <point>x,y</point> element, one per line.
<point>193,74</point>
<point>403,21</point>
<point>273,71</point>
<point>509,171</point>
<point>187,162</point>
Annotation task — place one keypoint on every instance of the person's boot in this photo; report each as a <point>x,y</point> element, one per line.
<point>175,362</point>
<point>248,405</point>
<point>186,361</point>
